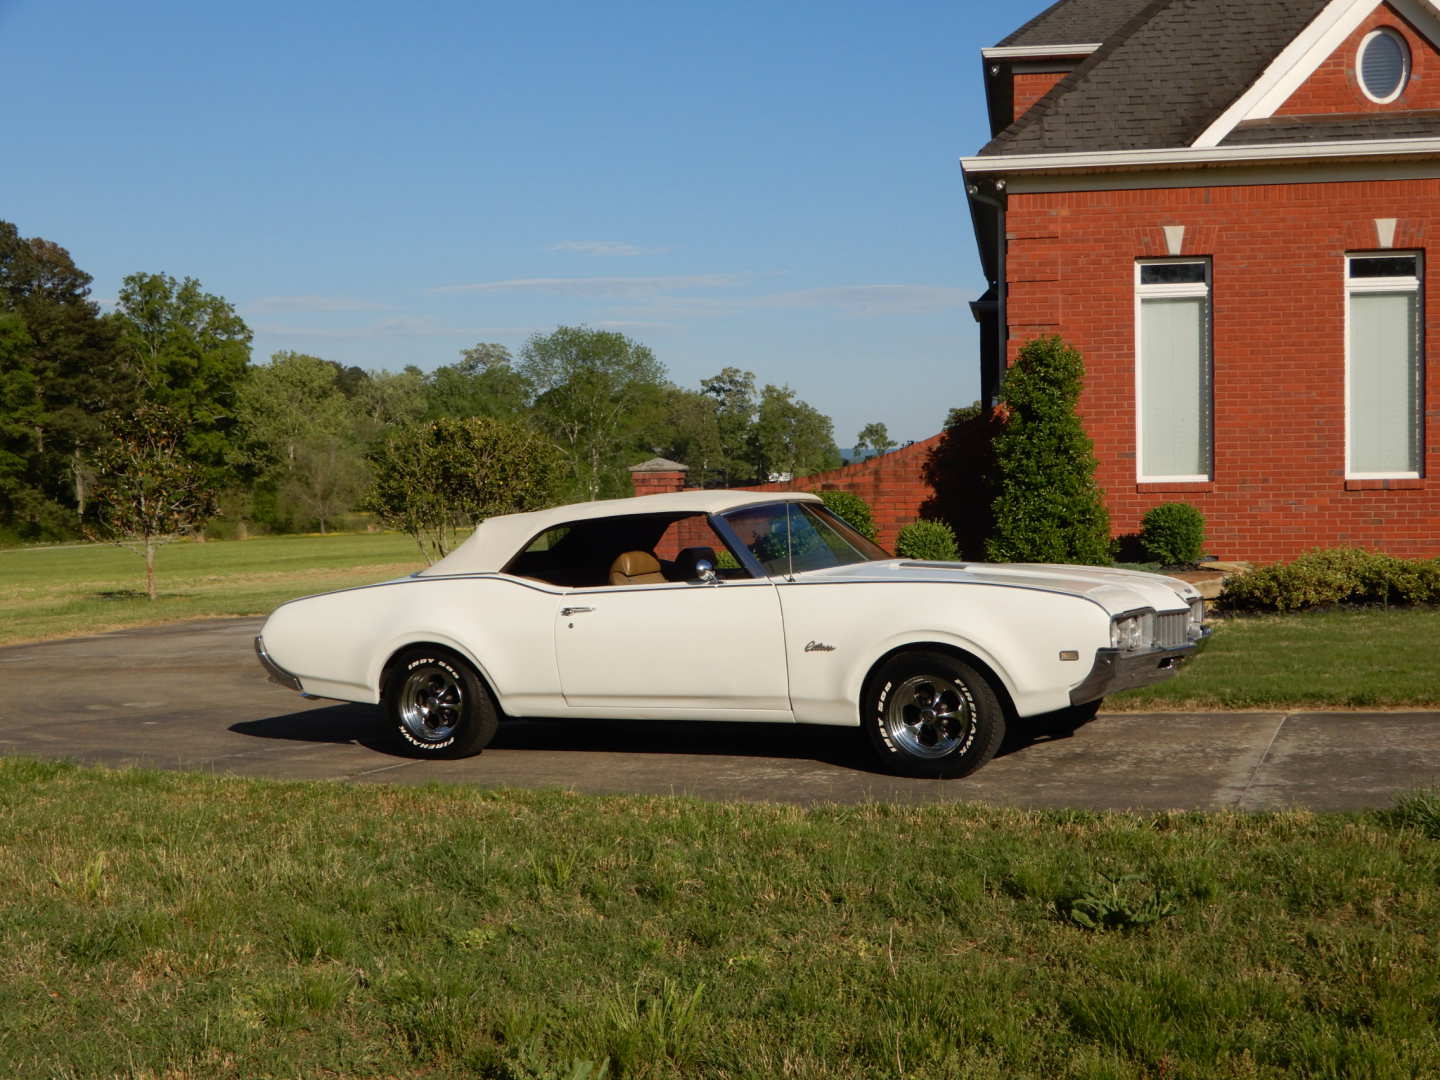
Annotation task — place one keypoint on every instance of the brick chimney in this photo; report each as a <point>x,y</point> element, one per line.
<point>658,475</point>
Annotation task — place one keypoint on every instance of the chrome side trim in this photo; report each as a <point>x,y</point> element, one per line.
<point>277,674</point>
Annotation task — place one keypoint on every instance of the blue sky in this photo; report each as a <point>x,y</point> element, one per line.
<point>769,186</point>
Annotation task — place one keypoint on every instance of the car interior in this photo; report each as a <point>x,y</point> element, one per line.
<point>625,551</point>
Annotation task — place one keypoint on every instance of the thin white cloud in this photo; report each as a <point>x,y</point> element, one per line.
<point>610,248</point>
<point>315,303</point>
<point>859,300</point>
<point>396,328</point>
<point>598,286</point>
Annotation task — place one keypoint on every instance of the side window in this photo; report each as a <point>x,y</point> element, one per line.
<point>1173,436</point>
<point>1383,369</point>
<point>687,540</point>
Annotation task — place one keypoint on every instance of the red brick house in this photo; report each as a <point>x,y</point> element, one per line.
<point>1227,207</point>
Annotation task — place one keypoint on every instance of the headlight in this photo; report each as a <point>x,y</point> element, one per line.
<point>1133,631</point>
<point>1197,617</point>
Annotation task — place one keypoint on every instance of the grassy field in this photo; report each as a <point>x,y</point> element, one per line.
<point>168,927</point>
<point>1355,658</point>
<point>1346,658</point>
<point>87,588</point>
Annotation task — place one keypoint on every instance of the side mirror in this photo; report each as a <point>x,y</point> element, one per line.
<point>705,571</point>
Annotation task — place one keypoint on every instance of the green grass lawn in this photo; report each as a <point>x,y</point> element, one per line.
<point>161,926</point>
<point>1346,658</point>
<point>88,588</point>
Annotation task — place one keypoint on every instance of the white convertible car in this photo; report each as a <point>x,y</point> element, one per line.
<point>730,605</point>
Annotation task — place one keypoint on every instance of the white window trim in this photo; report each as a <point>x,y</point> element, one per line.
<point>1408,283</point>
<point>1405,61</point>
<point>1181,290</point>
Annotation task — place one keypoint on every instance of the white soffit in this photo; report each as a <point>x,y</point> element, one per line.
<point>1191,156</point>
<point>1305,53</point>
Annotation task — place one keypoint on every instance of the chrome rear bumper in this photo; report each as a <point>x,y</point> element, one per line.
<point>277,674</point>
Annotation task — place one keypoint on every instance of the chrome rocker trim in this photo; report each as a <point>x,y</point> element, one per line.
<point>1117,670</point>
<point>277,674</point>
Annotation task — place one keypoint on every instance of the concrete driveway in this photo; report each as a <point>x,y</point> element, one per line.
<point>191,696</point>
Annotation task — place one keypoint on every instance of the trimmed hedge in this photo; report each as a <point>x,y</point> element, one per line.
<point>1173,533</point>
<point>1330,576</point>
<point>932,541</point>
<point>854,510</point>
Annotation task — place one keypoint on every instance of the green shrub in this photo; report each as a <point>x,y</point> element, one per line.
<point>1173,533</point>
<point>1048,507</point>
<point>933,541</point>
<point>853,509</point>
<point>1324,578</point>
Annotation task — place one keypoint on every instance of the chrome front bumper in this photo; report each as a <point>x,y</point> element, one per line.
<point>1117,670</point>
<point>277,673</point>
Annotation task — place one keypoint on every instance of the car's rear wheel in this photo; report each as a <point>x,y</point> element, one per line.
<point>930,714</point>
<point>437,705</point>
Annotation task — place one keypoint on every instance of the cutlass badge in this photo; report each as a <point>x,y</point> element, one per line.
<point>818,646</point>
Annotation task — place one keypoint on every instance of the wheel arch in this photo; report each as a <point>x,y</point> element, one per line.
<point>982,666</point>
<point>392,660</point>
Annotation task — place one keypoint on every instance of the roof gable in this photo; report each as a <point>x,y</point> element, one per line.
<point>1315,76</point>
<point>1162,78</point>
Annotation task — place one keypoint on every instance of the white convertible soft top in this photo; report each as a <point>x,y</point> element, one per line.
<point>498,539</point>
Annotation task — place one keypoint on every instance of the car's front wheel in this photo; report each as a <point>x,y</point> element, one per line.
<point>930,714</point>
<point>437,705</point>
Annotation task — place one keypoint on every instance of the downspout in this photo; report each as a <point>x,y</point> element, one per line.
<point>1002,334</point>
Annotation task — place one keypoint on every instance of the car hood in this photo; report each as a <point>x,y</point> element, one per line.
<point>1114,589</point>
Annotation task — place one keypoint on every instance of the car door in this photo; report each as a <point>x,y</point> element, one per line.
<point>689,649</point>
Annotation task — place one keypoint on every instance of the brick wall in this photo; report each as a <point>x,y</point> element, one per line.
<point>1030,87</point>
<point>1278,316</point>
<point>1334,87</point>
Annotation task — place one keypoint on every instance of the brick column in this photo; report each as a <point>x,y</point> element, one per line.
<point>657,476</point>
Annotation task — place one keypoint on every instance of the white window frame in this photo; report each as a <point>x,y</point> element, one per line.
<point>1180,290</point>
<point>1405,62</point>
<point>1408,283</point>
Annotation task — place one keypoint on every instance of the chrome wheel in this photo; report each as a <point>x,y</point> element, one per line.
<point>432,703</point>
<point>930,716</point>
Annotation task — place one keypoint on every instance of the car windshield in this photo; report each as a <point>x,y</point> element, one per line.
<point>789,538</point>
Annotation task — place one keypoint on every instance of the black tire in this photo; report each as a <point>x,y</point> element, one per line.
<point>929,714</point>
<point>437,706</point>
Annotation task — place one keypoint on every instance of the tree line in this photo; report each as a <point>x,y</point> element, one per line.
<point>163,389</point>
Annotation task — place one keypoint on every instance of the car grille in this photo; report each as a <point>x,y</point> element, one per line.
<point>1170,629</point>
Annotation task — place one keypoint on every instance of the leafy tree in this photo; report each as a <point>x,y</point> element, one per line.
<point>875,437</point>
<point>688,431</point>
<point>736,404</point>
<point>794,438</point>
<point>852,509</point>
<point>1048,507</point>
<point>483,383</point>
<point>386,400</point>
<point>328,477</point>
<point>433,480</point>
<point>189,351</point>
<point>282,404</point>
<point>148,491</point>
<point>597,394</point>
<point>58,377</point>
<point>932,541</point>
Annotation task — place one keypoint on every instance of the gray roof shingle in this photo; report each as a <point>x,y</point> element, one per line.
<point>1160,79</point>
<point>1303,129</point>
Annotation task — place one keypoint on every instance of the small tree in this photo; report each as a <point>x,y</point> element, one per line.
<point>1048,507</point>
<point>433,480</point>
<point>148,492</point>
<point>874,436</point>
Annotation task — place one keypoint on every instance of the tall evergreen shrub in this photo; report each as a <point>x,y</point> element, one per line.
<point>1048,507</point>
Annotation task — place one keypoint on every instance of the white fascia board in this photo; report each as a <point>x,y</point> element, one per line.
<point>1035,52</point>
<point>1198,155</point>
<point>1304,55</point>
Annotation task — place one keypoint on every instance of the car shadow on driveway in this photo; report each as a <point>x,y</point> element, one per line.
<point>840,747</point>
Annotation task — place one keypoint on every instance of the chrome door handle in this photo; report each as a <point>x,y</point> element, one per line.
<point>568,611</point>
